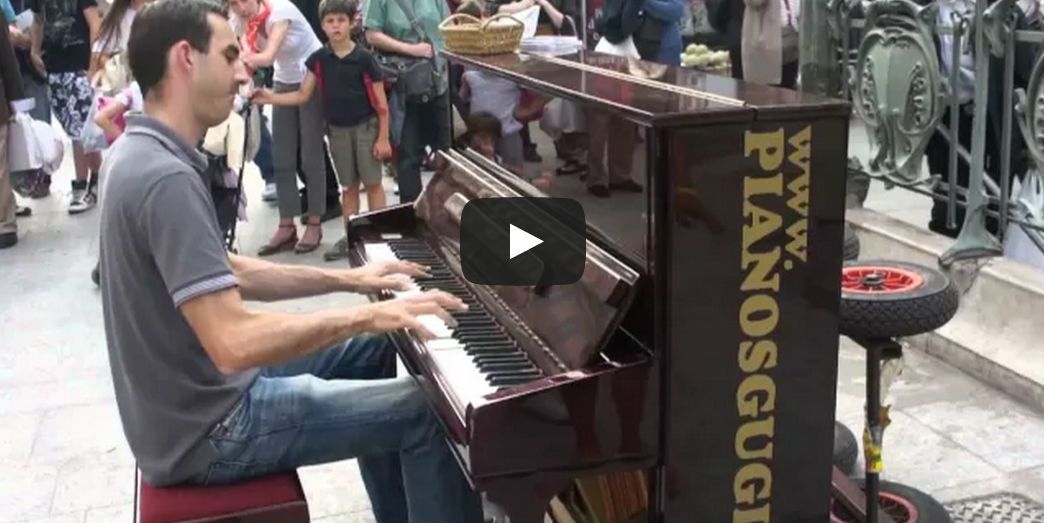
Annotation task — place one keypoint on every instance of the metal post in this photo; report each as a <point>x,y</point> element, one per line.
<point>817,58</point>
<point>844,13</point>
<point>1008,108</point>
<point>957,24</point>
<point>974,240</point>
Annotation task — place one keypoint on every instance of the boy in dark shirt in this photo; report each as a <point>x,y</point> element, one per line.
<point>62,33</point>
<point>352,90</point>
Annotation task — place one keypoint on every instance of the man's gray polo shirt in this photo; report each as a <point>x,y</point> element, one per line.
<point>161,247</point>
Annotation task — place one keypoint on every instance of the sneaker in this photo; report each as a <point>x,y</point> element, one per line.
<point>339,251</point>
<point>83,198</point>
<point>23,212</point>
<point>269,194</point>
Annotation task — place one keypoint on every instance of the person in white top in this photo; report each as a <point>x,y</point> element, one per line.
<point>274,32</point>
<point>111,44</point>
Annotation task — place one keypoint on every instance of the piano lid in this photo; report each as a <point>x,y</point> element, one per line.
<point>647,93</point>
<point>574,321</point>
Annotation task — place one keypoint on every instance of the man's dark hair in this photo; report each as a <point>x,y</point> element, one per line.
<point>158,27</point>
<point>347,8</point>
<point>483,123</point>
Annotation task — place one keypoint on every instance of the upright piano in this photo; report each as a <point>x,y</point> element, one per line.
<point>700,344</point>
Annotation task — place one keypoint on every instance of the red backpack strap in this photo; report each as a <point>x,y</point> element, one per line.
<point>368,82</point>
<point>319,79</point>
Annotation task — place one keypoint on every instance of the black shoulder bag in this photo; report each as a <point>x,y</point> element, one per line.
<point>417,77</point>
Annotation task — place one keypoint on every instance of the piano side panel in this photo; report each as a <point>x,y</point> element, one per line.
<point>591,417</point>
<point>753,318</point>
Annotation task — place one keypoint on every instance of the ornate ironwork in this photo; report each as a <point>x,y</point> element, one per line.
<point>898,90</point>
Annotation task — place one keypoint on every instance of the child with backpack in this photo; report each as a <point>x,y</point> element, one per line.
<point>351,85</point>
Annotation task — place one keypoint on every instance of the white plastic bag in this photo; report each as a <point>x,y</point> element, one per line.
<point>625,48</point>
<point>50,146</point>
<point>91,136</point>
<point>23,153</point>
<point>562,116</point>
<point>1018,245</point>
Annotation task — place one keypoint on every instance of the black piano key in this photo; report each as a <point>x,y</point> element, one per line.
<point>508,381</point>
<point>496,368</point>
<point>499,358</point>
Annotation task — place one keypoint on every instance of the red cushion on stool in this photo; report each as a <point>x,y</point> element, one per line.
<point>277,498</point>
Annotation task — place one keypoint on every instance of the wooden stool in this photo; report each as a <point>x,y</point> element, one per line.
<point>271,499</point>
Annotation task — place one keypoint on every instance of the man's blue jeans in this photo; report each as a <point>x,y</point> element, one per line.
<point>339,404</point>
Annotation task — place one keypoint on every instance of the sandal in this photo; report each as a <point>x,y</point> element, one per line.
<point>302,247</point>
<point>285,245</point>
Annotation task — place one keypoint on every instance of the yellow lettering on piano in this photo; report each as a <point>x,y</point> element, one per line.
<point>798,187</point>
<point>798,232</point>
<point>755,429</point>
<point>761,274</point>
<point>801,141</point>
<point>757,356</point>
<point>759,315</point>
<point>758,320</point>
<point>758,221</point>
<point>768,145</point>
<point>756,395</point>
<point>753,483</point>
<point>752,515</point>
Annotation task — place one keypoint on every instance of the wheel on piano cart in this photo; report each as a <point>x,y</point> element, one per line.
<point>851,248</point>
<point>904,504</point>
<point>889,299</point>
<point>846,449</point>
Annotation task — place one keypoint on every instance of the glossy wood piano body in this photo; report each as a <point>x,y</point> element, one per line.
<point>701,343</point>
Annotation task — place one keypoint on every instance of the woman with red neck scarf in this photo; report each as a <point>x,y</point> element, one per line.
<point>275,33</point>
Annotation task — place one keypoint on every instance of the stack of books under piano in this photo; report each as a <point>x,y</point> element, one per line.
<point>620,497</point>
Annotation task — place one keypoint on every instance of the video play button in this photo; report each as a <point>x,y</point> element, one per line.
<point>520,241</point>
<point>523,241</point>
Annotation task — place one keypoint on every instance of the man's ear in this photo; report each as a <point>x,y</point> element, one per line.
<point>182,56</point>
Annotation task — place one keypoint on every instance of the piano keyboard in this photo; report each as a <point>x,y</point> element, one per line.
<point>477,355</point>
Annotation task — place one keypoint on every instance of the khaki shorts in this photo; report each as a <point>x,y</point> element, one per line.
<point>352,152</point>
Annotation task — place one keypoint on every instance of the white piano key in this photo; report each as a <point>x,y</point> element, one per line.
<point>380,252</point>
<point>468,382</point>
<point>444,344</point>
<point>435,324</point>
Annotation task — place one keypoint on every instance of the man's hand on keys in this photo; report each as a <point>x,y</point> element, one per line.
<point>387,275</point>
<point>403,313</point>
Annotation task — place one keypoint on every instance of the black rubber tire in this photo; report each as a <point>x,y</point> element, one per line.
<point>896,314</point>
<point>851,249</point>
<point>928,510</point>
<point>846,449</point>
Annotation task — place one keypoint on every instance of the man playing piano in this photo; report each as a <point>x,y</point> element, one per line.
<point>208,390</point>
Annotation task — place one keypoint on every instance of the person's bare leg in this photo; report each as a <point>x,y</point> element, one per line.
<point>80,162</point>
<point>349,203</point>
<point>375,197</point>
<point>84,195</point>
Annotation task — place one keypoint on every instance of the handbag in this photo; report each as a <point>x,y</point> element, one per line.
<point>114,76</point>
<point>417,78</point>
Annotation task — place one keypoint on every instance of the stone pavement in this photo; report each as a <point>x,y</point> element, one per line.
<point>63,458</point>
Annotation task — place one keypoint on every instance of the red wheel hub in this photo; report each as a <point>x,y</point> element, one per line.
<point>899,508</point>
<point>879,280</point>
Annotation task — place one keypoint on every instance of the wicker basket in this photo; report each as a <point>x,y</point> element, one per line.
<point>466,34</point>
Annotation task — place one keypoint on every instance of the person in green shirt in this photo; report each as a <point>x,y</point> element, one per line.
<point>423,124</point>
